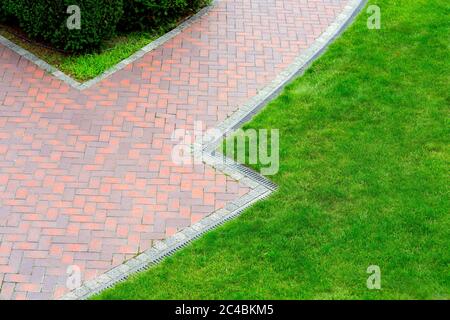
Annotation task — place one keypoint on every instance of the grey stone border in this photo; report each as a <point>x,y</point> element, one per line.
<point>260,186</point>
<point>137,55</point>
<point>297,68</point>
<point>259,189</point>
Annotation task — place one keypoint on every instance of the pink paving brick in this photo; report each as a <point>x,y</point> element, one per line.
<point>86,177</point>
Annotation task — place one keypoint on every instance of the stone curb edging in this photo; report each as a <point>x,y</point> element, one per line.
<point>260,186</point>
<point>260,189</point>
<point>137,55</point>
<point>246,112</point>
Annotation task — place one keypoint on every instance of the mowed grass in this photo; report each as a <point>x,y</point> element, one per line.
<point>363,179</point>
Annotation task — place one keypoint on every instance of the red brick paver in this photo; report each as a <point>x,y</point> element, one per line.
<point>86,177</point>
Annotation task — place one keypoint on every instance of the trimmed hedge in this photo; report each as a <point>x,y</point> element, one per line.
<point>47,19</point>
<point>3,13</point>
<point>143,14</point>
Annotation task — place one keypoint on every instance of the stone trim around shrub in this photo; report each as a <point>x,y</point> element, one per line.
<point>85,85</point>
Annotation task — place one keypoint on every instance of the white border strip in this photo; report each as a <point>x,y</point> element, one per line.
<point>162,249</point>
<point>300,64</point>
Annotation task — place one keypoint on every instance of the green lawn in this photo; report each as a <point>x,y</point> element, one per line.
<point>363,179</point>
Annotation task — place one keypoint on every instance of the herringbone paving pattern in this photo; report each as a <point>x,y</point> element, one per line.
<point>86,177</point>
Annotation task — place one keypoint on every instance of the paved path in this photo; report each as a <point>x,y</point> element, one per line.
<point>86,177</point>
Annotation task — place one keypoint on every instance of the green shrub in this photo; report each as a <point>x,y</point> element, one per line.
<point>144,14</point>
<point>47,20</point>
<point>3,13</point>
